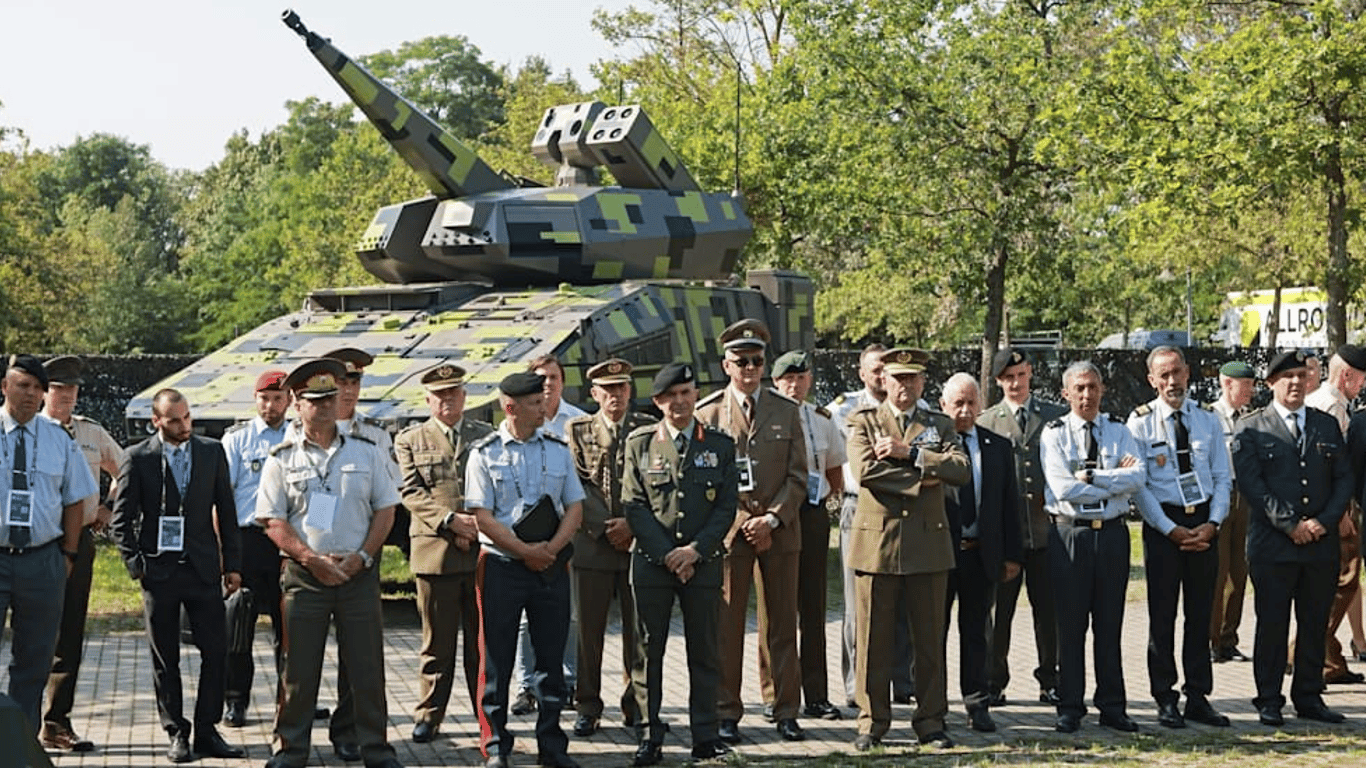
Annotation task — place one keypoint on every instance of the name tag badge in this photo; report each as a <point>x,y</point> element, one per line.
<point>813,488</point>
<point>171,534</point>
<point>746,472</point>
<point>19,510</point>
<point>322,508</point>
<point>1192,492</point>
<point>1094,508</point>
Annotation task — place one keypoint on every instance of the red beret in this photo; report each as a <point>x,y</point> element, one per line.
<point>273,380</point>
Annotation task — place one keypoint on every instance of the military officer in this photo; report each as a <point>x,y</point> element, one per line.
<point>601,564</point>
<point>1021,416</point>
<point>1237,381</point>
<point>1092,468</point>
<point>901,547</point>
<point>679,493</point>
<point>766,537</point>
<point>1295,472</point>
<point>101,453</point>
<point>327,501</point>
<point>1183,503</point>
<point>444,540</point>
<point>521,485</point>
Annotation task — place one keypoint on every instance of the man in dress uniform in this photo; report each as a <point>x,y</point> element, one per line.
<point>40,531</point>
<point>679,494</point>
<point>1021,416</point>
<point>602,546</point>
<point>984,516</point>
<point>175,525</point>
<point>101,453</point>
<point>1294,470</point>
<point>844,405</point>
<point>1237,381</point>
<point>444,539</point>
<point>901,547</point>
<point>521,485</point>
<point>771,456</point>
<point>247,446</point>
<point>327,500</point>
<point>1183,503</point>
<point>825,460</point>
<point>1346,375</point>
<point>1091,465</point>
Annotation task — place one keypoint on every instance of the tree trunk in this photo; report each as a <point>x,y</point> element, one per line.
<point>991,334</point>
<point>1336,278</point>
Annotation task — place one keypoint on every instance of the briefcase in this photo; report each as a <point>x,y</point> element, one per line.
<point>540,524</point>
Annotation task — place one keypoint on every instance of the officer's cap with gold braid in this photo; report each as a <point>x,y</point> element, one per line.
<point>1285,361</point>
<point>904,360</point>
<point>315,379</point>
<point>354,360</point>
<point>1005,358</point>
<point>613,371</point>
<point>744,333</point>
<point>443,377</point>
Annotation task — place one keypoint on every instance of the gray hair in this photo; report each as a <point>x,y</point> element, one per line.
<point>959,381</point>
<point>1165,349</point>
<point>1080,368</point>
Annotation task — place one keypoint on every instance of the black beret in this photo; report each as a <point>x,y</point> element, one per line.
<point>30,365</point>
<point>66,369</point>
<point>671,374</point>
<point>1285,361</point>
<point>520,384</point>
<point>1005,358</point>
<point>795,361</point>
<point>1353,355</point>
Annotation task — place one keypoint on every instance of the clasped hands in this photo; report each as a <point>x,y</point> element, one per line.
<point>1195,539</point>
<point>682,562</point>
<point>334,570</point>
<point>466,530</point>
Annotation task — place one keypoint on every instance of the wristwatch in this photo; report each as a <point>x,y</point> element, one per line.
<point>366,558</point>
<point>773,521</point>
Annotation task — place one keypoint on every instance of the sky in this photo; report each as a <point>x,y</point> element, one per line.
<point>182,76</point>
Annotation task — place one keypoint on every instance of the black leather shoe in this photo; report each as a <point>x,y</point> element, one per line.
<point>585,725</point>
<point>279,761</point>
<point>387,762</point>
<point>648,753</point>
<point>560,760</point>
<point>1234,654</point>
<point>997,699</point>
<point>936,740</point>
<point>823,710</point>
<point>208,742</point>
<point>321,713</point>
<point>1067,724</point>
<point>423,733</point>
<point>979,719</point>
<point>1119,722</point>
<point>1270,715</point>
<point>179,749</point>
<point>1168,716</point>
<point>768,713</point>
<point>525,703</point>
<point>65,740</point>
<point>903,698</point>
<point>235,716</point>
<point>1048,696</point>
<point>347,750</point>
<point>1199,711</point>
<point>1346,678</point>
<point>1319,712</point>
<point>790,730</point>
<point>865,742</point>
<point>708,750</point>
<point>729,731</point>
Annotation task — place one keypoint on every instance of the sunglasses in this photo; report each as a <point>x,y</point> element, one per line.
<point>756,361</point>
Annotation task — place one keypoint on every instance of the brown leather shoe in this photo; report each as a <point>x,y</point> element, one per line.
<point>66,741</point>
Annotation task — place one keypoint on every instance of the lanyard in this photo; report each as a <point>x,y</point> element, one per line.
<point>320,470</point>
<point>32,457</point>
<point>816,458</point>
<point>521,465</point>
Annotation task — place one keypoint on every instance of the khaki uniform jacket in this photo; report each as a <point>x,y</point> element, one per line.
<point>1029,482</point>
<point>900,526</point>
<point>600,460</point>
<point>433,487</point>
<point>777,451</point>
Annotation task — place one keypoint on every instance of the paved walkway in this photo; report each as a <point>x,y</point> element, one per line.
<point>115,707</point>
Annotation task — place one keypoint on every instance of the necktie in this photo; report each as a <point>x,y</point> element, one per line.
<point>905,421</point>
<point>1295,430</point>
<point>748,410</point>
<point>1022,417</point>
<point>681,443</point>
<point>180,468</point>
<point>967,494</point>
<point>19,534</point>
<point>1183,444</point>
<point>1092,446</point>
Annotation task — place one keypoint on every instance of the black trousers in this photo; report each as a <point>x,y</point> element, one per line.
<point>1036,577</point>
<point>261,575</point>
<point>203,603</point>
<point>1187,577</point>
<point>1090,576</point>
<point>1276,586</point>
<point>506,588</point>
<point>66,663</point>
<point>975,591</point>
<point>701,608</point>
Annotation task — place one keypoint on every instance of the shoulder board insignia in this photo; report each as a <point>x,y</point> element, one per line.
<point>363,438</point>
<point>78,417</point>
<point>1115,418</point>
<point>712,397</point>
<point>1209,407</point>
<point>411,427</point>
<point>1053,423</point>
<point>281,446</point>
<point>580,420</point>
<point>238,427</point>
<point>773,391</point>
<point>822,410</point>
<point>839,400</point>
<point>485,440</point>
<point>370,421</point>
<point>644,430</point>
<point>865,409</point>
<point>553,437</point>
<point>1143,410</point>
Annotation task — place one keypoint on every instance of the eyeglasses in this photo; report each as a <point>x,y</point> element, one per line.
<point>756,361</point>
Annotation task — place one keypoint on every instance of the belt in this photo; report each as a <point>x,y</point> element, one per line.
<point>1178,509</point>
<point>967,544</point>
<point>851,494</point>
<point>20,551</point>
<point>1084,522</point>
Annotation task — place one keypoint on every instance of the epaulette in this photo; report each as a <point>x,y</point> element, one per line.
<point>78,417</point>
<point>773,391</point>
<point>282,445</point>
<point>238,427</point>
<point>587,418</point>
<point>865,408</point>
<point>644,429</point>
<point>1115,418</point>
<point>1143,410</point>
<point>822,410</point>
<point>372,422</point>
<point>709,398</point>
<point>1053,423</point>
<point>362,438</point>
<point>839,399</point>
<point>485,440</point>
<point>554,437</point>
<point>411,427</point>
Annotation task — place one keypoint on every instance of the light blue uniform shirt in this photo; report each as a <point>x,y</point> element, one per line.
<point>1062,447</point>
<point>247,448</point>
<point>57,474</point>
<point>1155,433</point>
<point>508,477</point>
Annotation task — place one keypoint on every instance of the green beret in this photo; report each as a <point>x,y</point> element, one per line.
<point>1237,369</point>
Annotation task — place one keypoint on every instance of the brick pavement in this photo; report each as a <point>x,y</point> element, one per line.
<point>116,709</point>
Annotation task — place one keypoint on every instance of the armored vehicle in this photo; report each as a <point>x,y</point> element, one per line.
<point>490,271</point>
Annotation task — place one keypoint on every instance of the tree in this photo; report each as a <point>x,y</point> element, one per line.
<point>444,76</point>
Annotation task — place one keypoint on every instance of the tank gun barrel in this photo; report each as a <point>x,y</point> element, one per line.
<point>446,165</point>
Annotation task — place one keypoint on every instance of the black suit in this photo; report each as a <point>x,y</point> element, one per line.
<point>980,559</point>
<point>1284,486</point>
<point>193,578</point>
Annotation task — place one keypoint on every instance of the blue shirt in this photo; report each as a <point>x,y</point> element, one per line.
<point>1155,433</point>
<point>508,477</point>
<point>1062,447</point>
<point>57,474</point>
<point>247,447</point>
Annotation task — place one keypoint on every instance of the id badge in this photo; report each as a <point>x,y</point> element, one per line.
<point>322,507</point>
<point>1094,508</point>
<point>813,488</point>
<point>19,510</point>
<point>171,534</point>
<point>745,470</point>
<point>1192,492</point>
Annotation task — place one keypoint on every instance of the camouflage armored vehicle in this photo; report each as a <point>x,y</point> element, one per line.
<point>490,271</point>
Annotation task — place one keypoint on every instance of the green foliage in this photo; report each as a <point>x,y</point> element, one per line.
<point>444,76</point>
